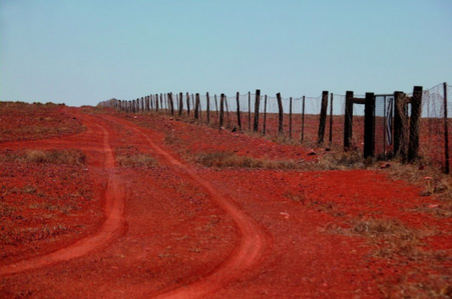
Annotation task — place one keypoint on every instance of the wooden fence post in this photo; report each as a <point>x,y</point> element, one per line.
<point>170,96</point>
<point>322,121</point>
<point>157,103</point>
<point>281,114</point>
<point>227,111</point>
<point>216,106</point>
<point>193,101</point>
<point>331,120</point>
<point>446,133</point>
<point>208,107</point>
<point>197,107</point>
<point>221,110</point>
<point>416,111</point>
<point>239,120</point>
<point>181,103</point>
<point>290,118</point>
<point>249,111</point>
<point>348,121</point>
<point>257,102</point>
<point>302,118</point>
<point>397,122</point>
<point>265,115</point>
<point>188,103</point>
<point>369,125</point>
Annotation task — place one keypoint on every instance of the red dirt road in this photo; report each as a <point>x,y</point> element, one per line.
<point>245,253</point>
<point>178,230</point>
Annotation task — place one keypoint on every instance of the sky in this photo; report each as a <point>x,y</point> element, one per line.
<point>82,52</point>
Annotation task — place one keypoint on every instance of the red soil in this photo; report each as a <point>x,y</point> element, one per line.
<point>180,230</point>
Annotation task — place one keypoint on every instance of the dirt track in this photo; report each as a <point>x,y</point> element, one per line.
<point>245,254</point>
<point>179,231</point>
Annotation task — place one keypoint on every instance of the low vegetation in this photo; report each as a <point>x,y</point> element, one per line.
<point>65,156</point>
<point>129,156</point>
<point>225,159</point>
<point>23,121</point>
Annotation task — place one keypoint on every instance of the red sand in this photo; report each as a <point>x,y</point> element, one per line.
<point>180,230</point>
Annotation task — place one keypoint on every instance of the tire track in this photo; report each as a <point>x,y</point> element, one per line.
<point>110,229</point>
<point>252,239</point>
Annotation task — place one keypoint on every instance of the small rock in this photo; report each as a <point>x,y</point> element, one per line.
<point>285,215</point>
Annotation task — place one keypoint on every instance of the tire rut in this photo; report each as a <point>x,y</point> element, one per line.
<point>110,229</point>
<point>247,253</point>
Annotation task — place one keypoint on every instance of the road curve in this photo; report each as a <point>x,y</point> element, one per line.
<point>247,253</point>
<point>110,229</point>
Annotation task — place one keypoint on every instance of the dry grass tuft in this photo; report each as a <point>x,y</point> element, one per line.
<point>67,157</point>
<point>129,156</point>
<point>396,238</point>
<point>342,160</point>
<point>433,182</point>
<point>224,159</point>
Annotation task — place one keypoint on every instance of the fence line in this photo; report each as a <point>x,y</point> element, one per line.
<point>315,121</point>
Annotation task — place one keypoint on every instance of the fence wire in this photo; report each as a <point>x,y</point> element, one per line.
<point>298,118</point>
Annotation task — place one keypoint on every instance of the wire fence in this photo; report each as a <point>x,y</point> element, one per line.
<point>314,121</point>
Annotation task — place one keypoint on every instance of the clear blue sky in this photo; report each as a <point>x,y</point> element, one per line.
<point>81,52</point>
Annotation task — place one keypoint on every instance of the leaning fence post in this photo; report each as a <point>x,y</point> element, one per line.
<point>257,102</point>
<point>369,125</point>
<point>446,132</point>
<point>170,97</point>
<point>281,114</point>
<point>239,120</point>
<point>416,110</point>
<point>348,122</point>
